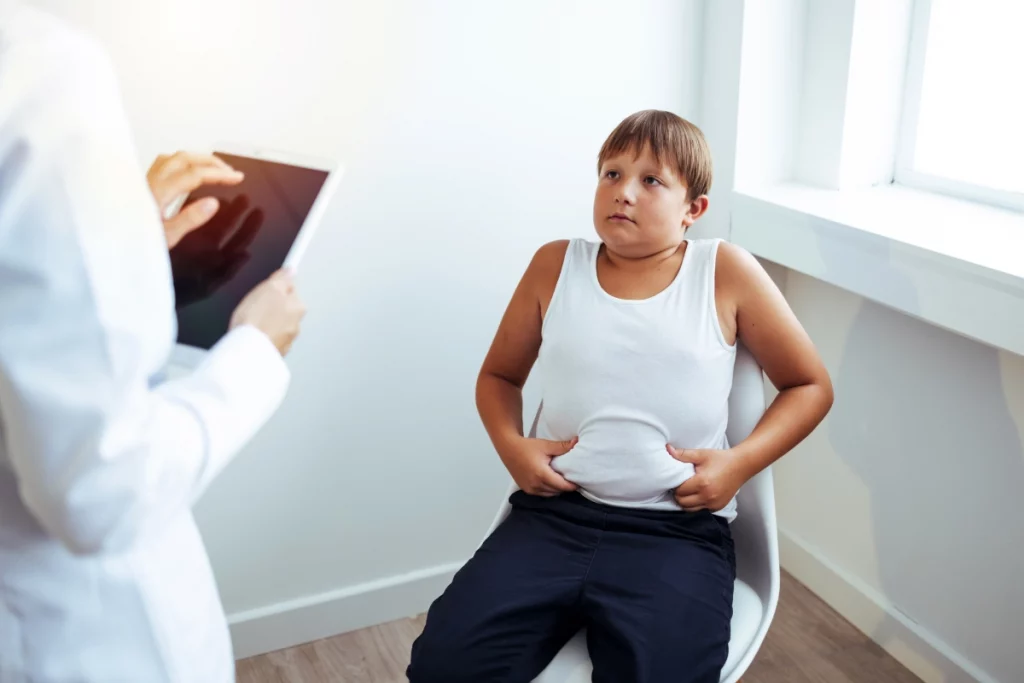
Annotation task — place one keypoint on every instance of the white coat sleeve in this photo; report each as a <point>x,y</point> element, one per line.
<point>103,455</point>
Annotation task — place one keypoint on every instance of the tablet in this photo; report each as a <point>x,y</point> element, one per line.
<point>263,224</point>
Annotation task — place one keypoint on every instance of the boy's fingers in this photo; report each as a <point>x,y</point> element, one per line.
<point>560,447</point>
<point>688,488</point>
<point>691,503</point>
<point>556,482</point>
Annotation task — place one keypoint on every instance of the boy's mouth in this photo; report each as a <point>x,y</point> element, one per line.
<point>620,217</point>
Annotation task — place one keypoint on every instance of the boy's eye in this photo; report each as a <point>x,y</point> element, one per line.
<point>611,174</point>
<point>651,180</point>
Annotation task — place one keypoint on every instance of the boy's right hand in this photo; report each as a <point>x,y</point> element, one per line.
<point>274,308</point>
<point>529,463</point>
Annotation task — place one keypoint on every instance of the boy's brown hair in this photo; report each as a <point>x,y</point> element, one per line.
<point>670,137</point>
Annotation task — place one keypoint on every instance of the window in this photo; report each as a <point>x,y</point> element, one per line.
<point>962,130</point>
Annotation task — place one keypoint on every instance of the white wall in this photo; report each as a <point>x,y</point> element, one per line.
<point>912,487</point>
<point>470,131</point>
<point>719,103</point>
<point>903,509</point>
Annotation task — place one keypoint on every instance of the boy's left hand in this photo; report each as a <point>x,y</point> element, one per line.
<point>717,477</point>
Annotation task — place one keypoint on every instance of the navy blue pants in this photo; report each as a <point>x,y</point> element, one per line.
<point>652,588</point>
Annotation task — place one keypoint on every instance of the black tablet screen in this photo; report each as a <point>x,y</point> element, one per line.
<point>248,238</point>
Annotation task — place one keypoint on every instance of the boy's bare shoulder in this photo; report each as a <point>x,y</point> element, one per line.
<point>549,258</point>
<point>737,271</point>
<point>553,251</point>
<point>544,270</point>
<point>734,259</point>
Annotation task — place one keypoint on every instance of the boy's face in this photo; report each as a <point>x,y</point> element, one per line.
<point>641,207</point>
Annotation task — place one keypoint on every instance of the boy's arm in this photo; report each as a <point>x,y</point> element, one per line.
<point>767,326</point>
<point>499,388</point>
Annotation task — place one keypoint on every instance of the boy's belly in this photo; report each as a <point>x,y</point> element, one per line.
<point>643,476</point>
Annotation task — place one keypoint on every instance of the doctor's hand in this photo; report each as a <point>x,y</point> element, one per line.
<point>717,477</point>
<point>529,463</point>
<point>274,308</point>
<point>172,176</point>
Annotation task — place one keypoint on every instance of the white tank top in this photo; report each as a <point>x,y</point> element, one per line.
<point>629,376</point>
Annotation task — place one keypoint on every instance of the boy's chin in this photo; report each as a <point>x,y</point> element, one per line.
<point>619,232</point>
<point>630,249</point>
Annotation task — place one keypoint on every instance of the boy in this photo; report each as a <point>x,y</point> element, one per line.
<point>621,525</point>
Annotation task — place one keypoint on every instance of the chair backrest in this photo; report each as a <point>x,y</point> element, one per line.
<point>755,527</point>
<point>755,530</point>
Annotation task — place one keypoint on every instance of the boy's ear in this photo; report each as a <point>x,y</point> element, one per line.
<point>697,208</point>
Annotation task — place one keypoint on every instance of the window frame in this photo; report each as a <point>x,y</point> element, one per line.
<point>904,172</point>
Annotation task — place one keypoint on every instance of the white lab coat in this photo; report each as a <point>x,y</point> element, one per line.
<point>103,575</point>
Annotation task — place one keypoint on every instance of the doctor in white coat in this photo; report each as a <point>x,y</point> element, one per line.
<point>103,575</point>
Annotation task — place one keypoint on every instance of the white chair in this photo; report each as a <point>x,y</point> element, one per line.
<point>756,593</point>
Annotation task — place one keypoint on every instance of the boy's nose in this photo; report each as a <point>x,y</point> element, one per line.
<point>626,194</point>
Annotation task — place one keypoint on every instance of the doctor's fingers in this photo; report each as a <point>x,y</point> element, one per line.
<point>198,213</point>
<point>193,216</point>
<point>167,188</point>
<point>166,164</point>
<point>284,279</point>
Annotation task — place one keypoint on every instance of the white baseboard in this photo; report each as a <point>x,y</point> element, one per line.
<point>347,609</point>
<point>928,657</point>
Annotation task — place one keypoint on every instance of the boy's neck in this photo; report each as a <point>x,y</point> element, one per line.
<point>639,264</point>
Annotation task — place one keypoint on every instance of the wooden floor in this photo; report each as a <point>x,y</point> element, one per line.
<point>808,643</point>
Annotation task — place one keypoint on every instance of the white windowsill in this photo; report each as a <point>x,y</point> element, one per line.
<point>954,263</point>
